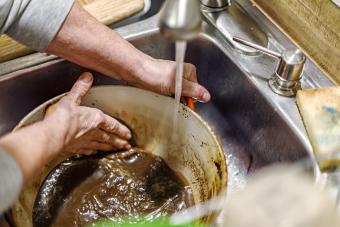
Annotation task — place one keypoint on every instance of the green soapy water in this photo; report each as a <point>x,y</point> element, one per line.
<point>142,222</point>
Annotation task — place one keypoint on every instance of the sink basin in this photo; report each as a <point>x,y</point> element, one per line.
<point>253,134</point>
<point>151,8</point>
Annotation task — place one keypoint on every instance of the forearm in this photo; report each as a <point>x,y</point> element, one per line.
<point>87,42</point>
<point>32,147</point>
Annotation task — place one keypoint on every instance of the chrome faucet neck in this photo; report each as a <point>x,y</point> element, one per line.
<point>181,19</point>
<point>216,3</point>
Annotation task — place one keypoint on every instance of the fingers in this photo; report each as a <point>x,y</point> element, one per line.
<point>194,90</point>
<point>190,72</point>
<point>80,88</point>
<point>82,121</point>
<point>79,149</point>
<point>86,152</point>
<point>88,147</point>
<point>113,126</point>
<point>108,138</point>
<point>97,140</point>
<point>94,145</point>
<point>191,88</point>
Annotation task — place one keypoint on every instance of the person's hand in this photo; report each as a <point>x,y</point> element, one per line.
<point>108,53</point>
<point>160,75</point>
<point>84,130</point>
<point>117,58</point>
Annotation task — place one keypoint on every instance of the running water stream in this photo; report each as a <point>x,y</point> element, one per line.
<point>180,54</point>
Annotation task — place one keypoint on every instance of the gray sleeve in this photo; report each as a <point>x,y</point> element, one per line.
<point>11,180</point>
<point>33,22</point>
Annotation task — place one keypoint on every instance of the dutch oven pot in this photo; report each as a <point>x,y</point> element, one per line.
<point>196,154</point>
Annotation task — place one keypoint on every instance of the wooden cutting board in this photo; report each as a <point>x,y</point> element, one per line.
<point>314,25</point>
<point>106,11</point>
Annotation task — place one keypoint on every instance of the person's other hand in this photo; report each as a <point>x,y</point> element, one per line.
<point>108,53</point>
<point>160,76</point>
<point>84,130</point>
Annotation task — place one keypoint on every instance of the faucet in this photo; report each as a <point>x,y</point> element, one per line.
<point>217,4</point>
<point>181,21</point>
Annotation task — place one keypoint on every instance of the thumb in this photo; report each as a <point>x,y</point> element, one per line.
<point>195,90</point>
<point>80,88</point>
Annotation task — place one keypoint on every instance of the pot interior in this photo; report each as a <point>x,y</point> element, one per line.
<point>196,154</point>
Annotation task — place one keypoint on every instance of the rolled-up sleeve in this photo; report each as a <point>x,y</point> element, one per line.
<point>33,23</point>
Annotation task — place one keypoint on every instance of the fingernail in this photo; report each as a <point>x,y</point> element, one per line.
<point>87,77</point>
<point>127,146</point>
<point>206,97</point>
<point>128,135</point>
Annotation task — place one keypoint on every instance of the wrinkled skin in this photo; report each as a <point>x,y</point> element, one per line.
<point>86,129</point>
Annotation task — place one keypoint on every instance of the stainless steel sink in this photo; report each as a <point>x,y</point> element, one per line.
<point>151,8</point>
<point>252,133</point>
<point>256,127</point>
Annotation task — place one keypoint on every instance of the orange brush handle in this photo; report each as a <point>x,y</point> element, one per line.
<point>190,103</point>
